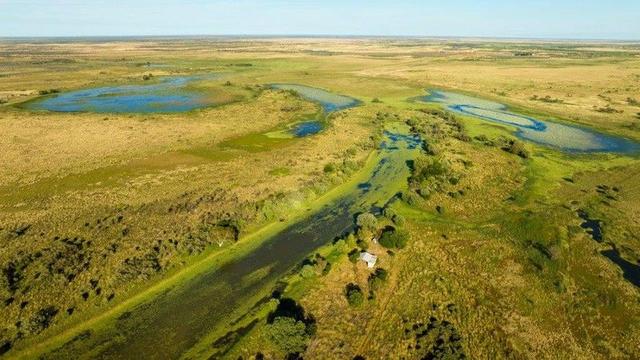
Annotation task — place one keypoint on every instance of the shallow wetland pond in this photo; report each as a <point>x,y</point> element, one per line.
<point>167,95</point>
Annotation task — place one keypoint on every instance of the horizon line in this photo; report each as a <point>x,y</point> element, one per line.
<point>323,36</point>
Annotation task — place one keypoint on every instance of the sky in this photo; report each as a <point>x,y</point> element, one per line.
<point>565,19</point>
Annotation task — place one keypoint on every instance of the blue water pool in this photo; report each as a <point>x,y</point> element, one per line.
<point>329,102</point>
<point>167,95</point>
<point>306,128</point>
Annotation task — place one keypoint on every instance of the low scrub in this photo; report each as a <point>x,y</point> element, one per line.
<point>516,147</point>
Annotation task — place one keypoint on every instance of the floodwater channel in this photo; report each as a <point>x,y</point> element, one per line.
<point>170,324</point>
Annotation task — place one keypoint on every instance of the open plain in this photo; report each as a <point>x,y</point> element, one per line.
<point>211,198</point>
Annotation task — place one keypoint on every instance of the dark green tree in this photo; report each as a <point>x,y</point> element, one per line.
<point>288,334</point>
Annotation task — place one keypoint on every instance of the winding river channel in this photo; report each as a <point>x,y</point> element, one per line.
<point>564,137</point>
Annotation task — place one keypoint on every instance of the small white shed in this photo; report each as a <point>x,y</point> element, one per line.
<point>369,258</point>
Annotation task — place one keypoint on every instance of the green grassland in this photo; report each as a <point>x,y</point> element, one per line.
<point>102,212</point>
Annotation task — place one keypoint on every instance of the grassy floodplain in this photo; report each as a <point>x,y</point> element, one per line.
<point>102,213</point>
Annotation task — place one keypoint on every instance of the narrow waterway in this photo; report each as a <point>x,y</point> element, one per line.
<point>170,324</point>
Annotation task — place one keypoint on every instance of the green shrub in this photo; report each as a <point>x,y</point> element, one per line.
<point>367,221</point>
<point>350,240</point>
<point>388,213</point>
<point>354,255</point>
<point>437,340</point>
<point>426,167</point>
<point>516,147</point>
<point>377,279</point>
<point>431,149</point>
<point>411,198</point>
<point>367,224</point>
<point>354,295</point>
<point>429,175</point>
<point>329,168</point>
<point>307,271</point>
<point>394,239</point>
<point>47,92</point>
<point>327,269</point>
<point>288,334</point>
<point>398,220</point>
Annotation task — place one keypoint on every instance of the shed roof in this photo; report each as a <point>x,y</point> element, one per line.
<point>369,258</point>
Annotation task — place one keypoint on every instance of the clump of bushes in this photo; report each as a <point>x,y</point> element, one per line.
<point>146,77</point>
<point>394,239</point>
<point>367,224</point>
<point>462,137</point>
<point>329,168</point>
<point>47,92</point>
<point>42,319</point>
<point>426,167</point>
<point>430,175</point>
<point>438,340</point>
<point>397,219</point>
<point>354,255</point>
<point>377,279</point>
<point>547,99</point>
<point>317,265</point>
<point>438,125</point>
<point>363,244</point>
<point>431,149</point>
<point>354,295</point>
<point>608,110</point>
<point>516,147</point>
<point>484,140</point>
